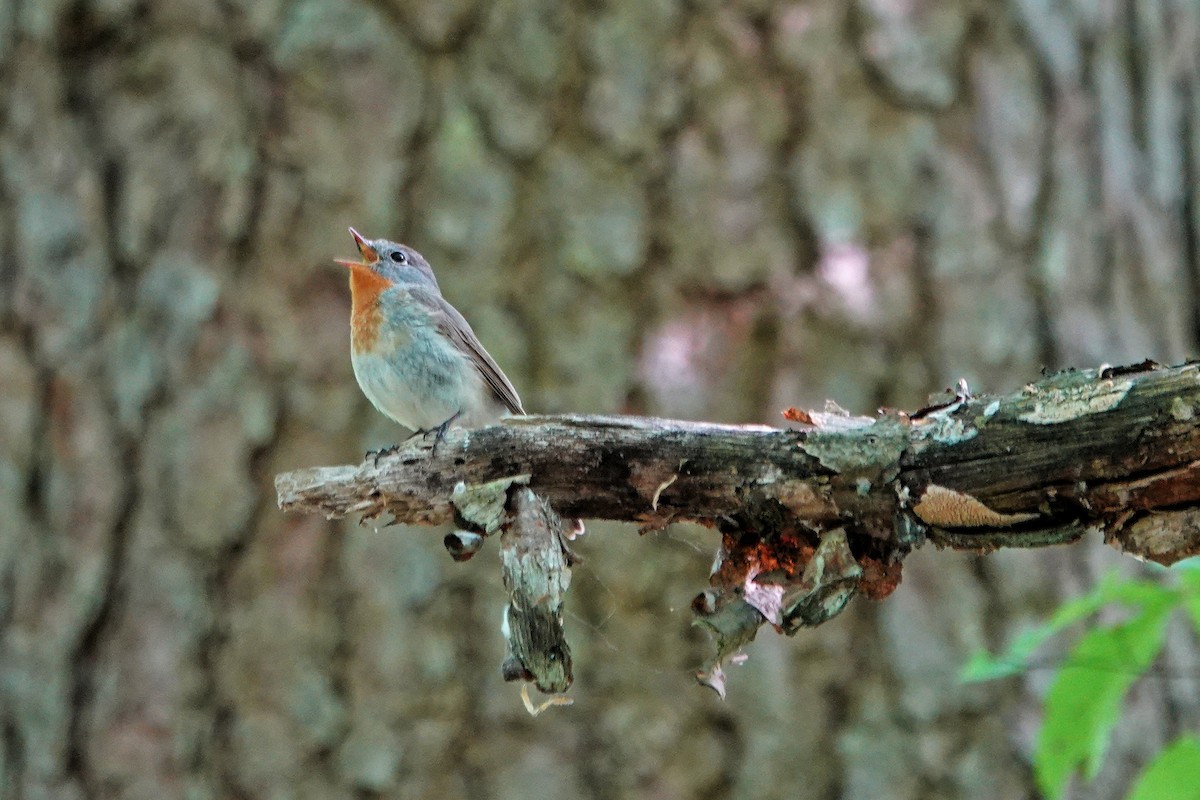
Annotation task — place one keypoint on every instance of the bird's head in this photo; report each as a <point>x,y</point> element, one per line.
<point>394,263</point>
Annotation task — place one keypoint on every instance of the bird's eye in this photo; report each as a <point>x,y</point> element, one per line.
<point>399,257</point>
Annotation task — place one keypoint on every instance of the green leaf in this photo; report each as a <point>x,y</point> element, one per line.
<point>1133,592</point>
<point>1084,700</point>
<point>983,666</point>
<point>1174,774</point>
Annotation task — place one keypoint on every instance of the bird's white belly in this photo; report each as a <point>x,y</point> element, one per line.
<point>422,393</point>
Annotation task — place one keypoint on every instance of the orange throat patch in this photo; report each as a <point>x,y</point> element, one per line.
<point>365,315</point>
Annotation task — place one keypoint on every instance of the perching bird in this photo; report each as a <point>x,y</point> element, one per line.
<point>415,357</point>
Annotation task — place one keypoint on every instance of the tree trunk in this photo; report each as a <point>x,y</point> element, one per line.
<point>696,210</point>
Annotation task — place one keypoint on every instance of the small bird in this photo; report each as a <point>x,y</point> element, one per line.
<point>415,357</point>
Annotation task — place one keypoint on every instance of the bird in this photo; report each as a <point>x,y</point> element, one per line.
<point>415,357</point>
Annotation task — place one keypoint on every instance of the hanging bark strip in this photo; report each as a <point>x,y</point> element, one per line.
<point>811,516</point>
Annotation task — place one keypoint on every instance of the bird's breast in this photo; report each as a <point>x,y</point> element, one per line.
<point>367,321</point>
<point>365,327</point>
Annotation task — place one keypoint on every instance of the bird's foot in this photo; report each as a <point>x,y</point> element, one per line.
<point>439,431</point>
<point>375,455</point>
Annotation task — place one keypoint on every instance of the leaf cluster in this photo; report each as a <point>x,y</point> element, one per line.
<point>1085,697</point>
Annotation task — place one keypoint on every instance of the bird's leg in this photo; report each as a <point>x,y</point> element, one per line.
<point>375,455</point>
<point>440,430</point>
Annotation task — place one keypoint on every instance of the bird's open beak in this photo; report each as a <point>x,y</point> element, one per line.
<point>369,256</point>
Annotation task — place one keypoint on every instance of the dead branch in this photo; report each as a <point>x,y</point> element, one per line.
<point>811,516</point>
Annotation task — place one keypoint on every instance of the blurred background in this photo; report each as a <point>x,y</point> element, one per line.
<point>675,207</point>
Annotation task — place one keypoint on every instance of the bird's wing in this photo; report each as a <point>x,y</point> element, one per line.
<point>458,331</point>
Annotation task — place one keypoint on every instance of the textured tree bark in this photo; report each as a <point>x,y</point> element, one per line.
<point>810,517</point>
<point>1114,450</point>
<point>678,209</point>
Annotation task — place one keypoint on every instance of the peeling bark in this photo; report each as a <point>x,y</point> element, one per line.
<point>810,517</point>
<point>1094,449</point>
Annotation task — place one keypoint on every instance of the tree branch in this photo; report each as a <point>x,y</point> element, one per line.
<point>1110,450</point>
<point>1078,450</point>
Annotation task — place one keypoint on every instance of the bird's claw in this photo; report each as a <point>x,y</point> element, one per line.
<point>439,432</point>
<point>375,455</point>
